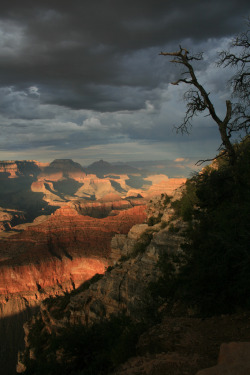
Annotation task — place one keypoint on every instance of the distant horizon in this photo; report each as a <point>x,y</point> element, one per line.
<point>178,168</point>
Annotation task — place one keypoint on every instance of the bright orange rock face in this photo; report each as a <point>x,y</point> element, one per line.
<point>167,186</point>
<point>66,248</point>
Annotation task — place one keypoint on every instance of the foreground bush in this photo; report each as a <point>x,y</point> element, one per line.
<point>83,350</point>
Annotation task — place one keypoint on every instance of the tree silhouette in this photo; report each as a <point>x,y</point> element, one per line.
<point>198,100</point>
<point>238,57</point>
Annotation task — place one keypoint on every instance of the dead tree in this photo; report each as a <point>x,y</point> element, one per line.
<point>238,57</point>
<point>198,101</point>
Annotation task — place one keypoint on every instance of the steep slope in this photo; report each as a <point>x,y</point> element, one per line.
<point>57,223</point>
<point>53,255</point>
<point>49,252</point>
<point>179,344</point>
<point>123,288</point>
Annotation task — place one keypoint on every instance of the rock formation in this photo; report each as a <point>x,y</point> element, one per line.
<point>40,188</point>
<point>182,345</point>
<point>56,254</point>
<point>178,344</point>
<point>124,286</point>
<point>56,225</point>
<point>15,169</point>
<point>67,246</point>
<point>234,359</point>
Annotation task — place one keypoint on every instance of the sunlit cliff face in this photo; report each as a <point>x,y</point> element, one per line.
<point>61,252</point>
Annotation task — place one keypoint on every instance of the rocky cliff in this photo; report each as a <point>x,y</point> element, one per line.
<point>15,169</point>
<point>57,222</point>
<point>56,254</point>
<point>40,188</point>
<point>177,345</point>
<point>123,288</point>
<point>65,246</point>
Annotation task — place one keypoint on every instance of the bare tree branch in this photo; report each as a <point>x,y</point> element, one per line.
<point>181,80</point>
<point>198,101</point>
<point>238,57</point>
<point>200,162</point>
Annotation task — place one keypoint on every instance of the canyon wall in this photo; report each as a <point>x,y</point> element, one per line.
<point>54,255</point>
<point>66,247</point>
<point>37,189</point>
<point>123,288</point>
<point>57,221</point>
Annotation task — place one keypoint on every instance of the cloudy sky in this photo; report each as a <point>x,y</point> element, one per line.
<point>84,79</point>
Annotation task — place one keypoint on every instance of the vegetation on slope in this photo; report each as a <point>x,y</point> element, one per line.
<point>82,350</point>
<point>212,273</point>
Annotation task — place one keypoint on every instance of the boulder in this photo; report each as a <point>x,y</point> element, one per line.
<point>234,359</point>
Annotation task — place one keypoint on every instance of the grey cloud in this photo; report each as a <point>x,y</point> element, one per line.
<point>23,104</point>
<point>73,50</point>
<point>79,74</point>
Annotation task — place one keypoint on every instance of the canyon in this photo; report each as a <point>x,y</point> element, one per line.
<point>179,343</point>
<point>51,258</point>
<point>57,224</point>
<point>121,288</point>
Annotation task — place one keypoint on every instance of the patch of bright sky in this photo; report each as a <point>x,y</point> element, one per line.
<point>12,39</point>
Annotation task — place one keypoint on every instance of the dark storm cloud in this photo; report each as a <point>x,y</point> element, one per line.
<point>86,78</point>
<point>103,55</point>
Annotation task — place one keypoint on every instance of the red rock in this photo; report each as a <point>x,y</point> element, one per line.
<point>66,248</point>
<point>165,186</point>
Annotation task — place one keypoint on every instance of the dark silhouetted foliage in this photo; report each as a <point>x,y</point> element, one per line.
<point>213,272</point>
<point>84,350</point>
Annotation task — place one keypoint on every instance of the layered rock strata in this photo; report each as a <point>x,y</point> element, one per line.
<point>40,188</point>
<point>52,256</point>
<point>123,288</point>
<point>65,247</point>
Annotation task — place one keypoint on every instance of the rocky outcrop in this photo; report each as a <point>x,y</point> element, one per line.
<point>183,345</point>
<point>9,168</point>
<point>234,359</point>
<point>17,168</point>
<point>167,186</point>
<point>61,169</point>
<point>102,168</point>
<point>123,288</point>
<point>95,188</point>
<point>117,290</point>
<point>54,237</point>
<point>65,247</point>
<point>10,218</point>
<point>54,255</point>
<point>39,188</point>
<point>109,205</point>
<point>178,345</point>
